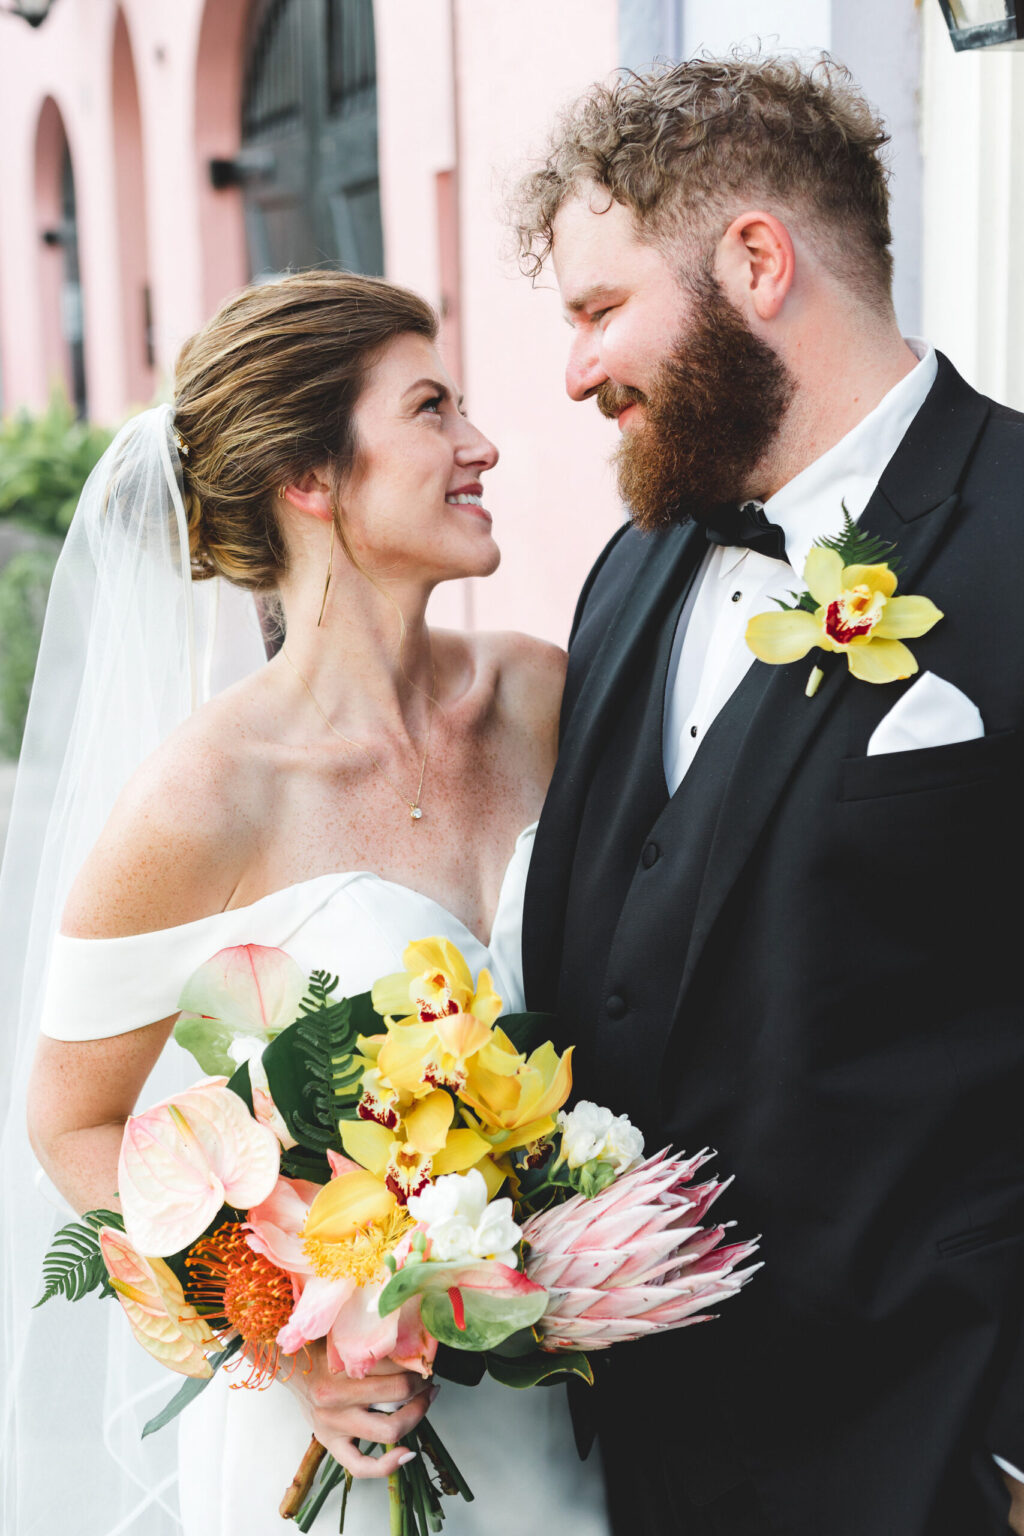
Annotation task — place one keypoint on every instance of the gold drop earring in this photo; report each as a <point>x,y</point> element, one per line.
<point>330,567</point>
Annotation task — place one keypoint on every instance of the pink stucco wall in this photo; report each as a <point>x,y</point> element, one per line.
<point>146,93</point>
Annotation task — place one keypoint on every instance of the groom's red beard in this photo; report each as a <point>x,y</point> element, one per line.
<point>707,423</point>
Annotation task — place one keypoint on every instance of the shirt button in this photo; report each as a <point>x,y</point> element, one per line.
<point>650,855</point>
<point>693,730</point>
<point>736,596</point>
<point>615,1007</point>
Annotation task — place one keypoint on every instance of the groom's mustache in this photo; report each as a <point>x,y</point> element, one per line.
<point>612,399</point>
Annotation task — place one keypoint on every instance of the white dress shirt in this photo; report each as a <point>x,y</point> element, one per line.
<point>710,656</point>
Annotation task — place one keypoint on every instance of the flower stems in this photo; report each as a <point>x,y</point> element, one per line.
<point>396,1503</point>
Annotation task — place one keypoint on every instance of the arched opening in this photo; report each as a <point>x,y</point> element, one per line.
<point>136,318</point>
<point>308,160</point>
<point>60,288</point>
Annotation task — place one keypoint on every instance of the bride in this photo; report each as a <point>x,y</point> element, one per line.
<point>374,782</point>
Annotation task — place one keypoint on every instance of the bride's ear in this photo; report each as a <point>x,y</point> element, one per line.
<point>310,494</point>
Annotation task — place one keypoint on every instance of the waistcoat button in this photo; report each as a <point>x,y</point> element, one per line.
<point>615,1007</point>
<point>650,855</point>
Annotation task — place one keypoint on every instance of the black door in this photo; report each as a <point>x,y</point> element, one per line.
<point>309,137</point>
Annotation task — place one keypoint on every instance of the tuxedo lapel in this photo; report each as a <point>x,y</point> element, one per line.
<point>915,500</point>
<point>668,564</point>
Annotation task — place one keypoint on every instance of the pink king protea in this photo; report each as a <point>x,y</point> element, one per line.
<point>633,1259</point>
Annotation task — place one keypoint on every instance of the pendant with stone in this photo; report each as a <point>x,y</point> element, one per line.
<point>415,813</point>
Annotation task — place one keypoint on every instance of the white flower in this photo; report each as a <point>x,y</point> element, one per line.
<point>248,1048</point>
<point>592,1132</point>
<point>460,1223</point>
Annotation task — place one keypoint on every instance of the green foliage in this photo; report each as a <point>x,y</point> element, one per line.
<point>74,1264</point>
<point>311,1067</point>
<point>190,1389</point>
<point>24,584</point>
<point>530,1370</point>
<point>44,462</point>
<point>856,546</point>
<point>528,1030</point>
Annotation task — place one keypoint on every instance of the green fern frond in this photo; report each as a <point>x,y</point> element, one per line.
<point>855,546</point>
<point>74,1264</point>
<point>322,985</point>
<point>327,1036</point>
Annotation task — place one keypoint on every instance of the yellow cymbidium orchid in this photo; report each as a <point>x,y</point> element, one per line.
<point>423,1146</point>
<point>436,982</point>
<point>857,615</point>
<point>534,1091</point>
<point>418,1056</point>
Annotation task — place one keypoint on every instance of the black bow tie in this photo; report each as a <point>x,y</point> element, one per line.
<point>747,526</point>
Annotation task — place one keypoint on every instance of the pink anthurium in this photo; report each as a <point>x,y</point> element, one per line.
<point>246,993</point>
<point>185,1158</point>
<point>161,1319</point>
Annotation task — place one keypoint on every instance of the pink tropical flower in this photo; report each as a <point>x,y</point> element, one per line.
<point>161,1319</point>
<point>339,1274</point>
<point>634,1259</point>
<point>186,1157</point>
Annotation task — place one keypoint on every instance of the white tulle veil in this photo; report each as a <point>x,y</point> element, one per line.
<point>131,646</point>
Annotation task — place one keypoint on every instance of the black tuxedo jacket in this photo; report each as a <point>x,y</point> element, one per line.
<point>811,960</point>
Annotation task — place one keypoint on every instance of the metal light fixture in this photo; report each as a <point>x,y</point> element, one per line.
<point>34,12</point>
<point>984,23</point>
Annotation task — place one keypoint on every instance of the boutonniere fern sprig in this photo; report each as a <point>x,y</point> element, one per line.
<point>849,606</point>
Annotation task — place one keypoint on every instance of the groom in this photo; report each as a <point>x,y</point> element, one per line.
<point>784,922</point>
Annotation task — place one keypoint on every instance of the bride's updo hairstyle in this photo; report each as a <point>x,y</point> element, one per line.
<point>266,391</point>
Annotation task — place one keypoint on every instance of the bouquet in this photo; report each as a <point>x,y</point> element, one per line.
<point>389,1173</point>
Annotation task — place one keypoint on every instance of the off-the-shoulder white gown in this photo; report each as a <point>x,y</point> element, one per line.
<point>239,1449</point>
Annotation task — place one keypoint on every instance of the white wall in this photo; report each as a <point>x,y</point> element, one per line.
<point>973,133</point>
<point>793,25</point>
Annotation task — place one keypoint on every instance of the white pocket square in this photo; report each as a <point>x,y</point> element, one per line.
<point>932,713</point>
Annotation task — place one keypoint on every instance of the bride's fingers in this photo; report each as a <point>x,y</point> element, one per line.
<point>364,1424</point>
<point>348,1454</point>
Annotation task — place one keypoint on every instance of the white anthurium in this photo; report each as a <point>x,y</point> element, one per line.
<point>249,1049</point>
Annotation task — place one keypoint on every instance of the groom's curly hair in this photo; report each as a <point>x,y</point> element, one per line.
<point>689,146</point>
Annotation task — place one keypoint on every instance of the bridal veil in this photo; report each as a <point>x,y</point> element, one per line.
<point>130,647</point>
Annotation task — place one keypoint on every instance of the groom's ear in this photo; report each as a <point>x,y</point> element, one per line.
<point>311,494</point>
<point>755,262</point>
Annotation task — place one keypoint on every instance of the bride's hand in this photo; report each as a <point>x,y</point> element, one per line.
<point>338,1407</point>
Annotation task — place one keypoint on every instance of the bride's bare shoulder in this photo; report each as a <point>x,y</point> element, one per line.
<point>519,675</point>
<point>180,832</point>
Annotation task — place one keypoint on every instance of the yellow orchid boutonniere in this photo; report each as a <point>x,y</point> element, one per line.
<point>849,606</point>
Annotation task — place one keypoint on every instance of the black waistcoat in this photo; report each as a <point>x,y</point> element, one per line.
<point>632,903</point>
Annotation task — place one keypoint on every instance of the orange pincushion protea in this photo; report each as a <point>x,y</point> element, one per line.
<point>247,1294</point>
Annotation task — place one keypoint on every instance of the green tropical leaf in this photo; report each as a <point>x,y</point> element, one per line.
<point>74,1264</point>
<point>539,1366</point>
<point>528,1030</point>
<point>189,1390</point>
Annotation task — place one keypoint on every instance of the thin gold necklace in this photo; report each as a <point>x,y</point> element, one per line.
<point>415,809</point>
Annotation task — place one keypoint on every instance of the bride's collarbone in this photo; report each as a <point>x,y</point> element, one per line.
<point>457,853</point>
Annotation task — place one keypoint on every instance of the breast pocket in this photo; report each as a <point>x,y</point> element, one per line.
<point>962,764</point>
